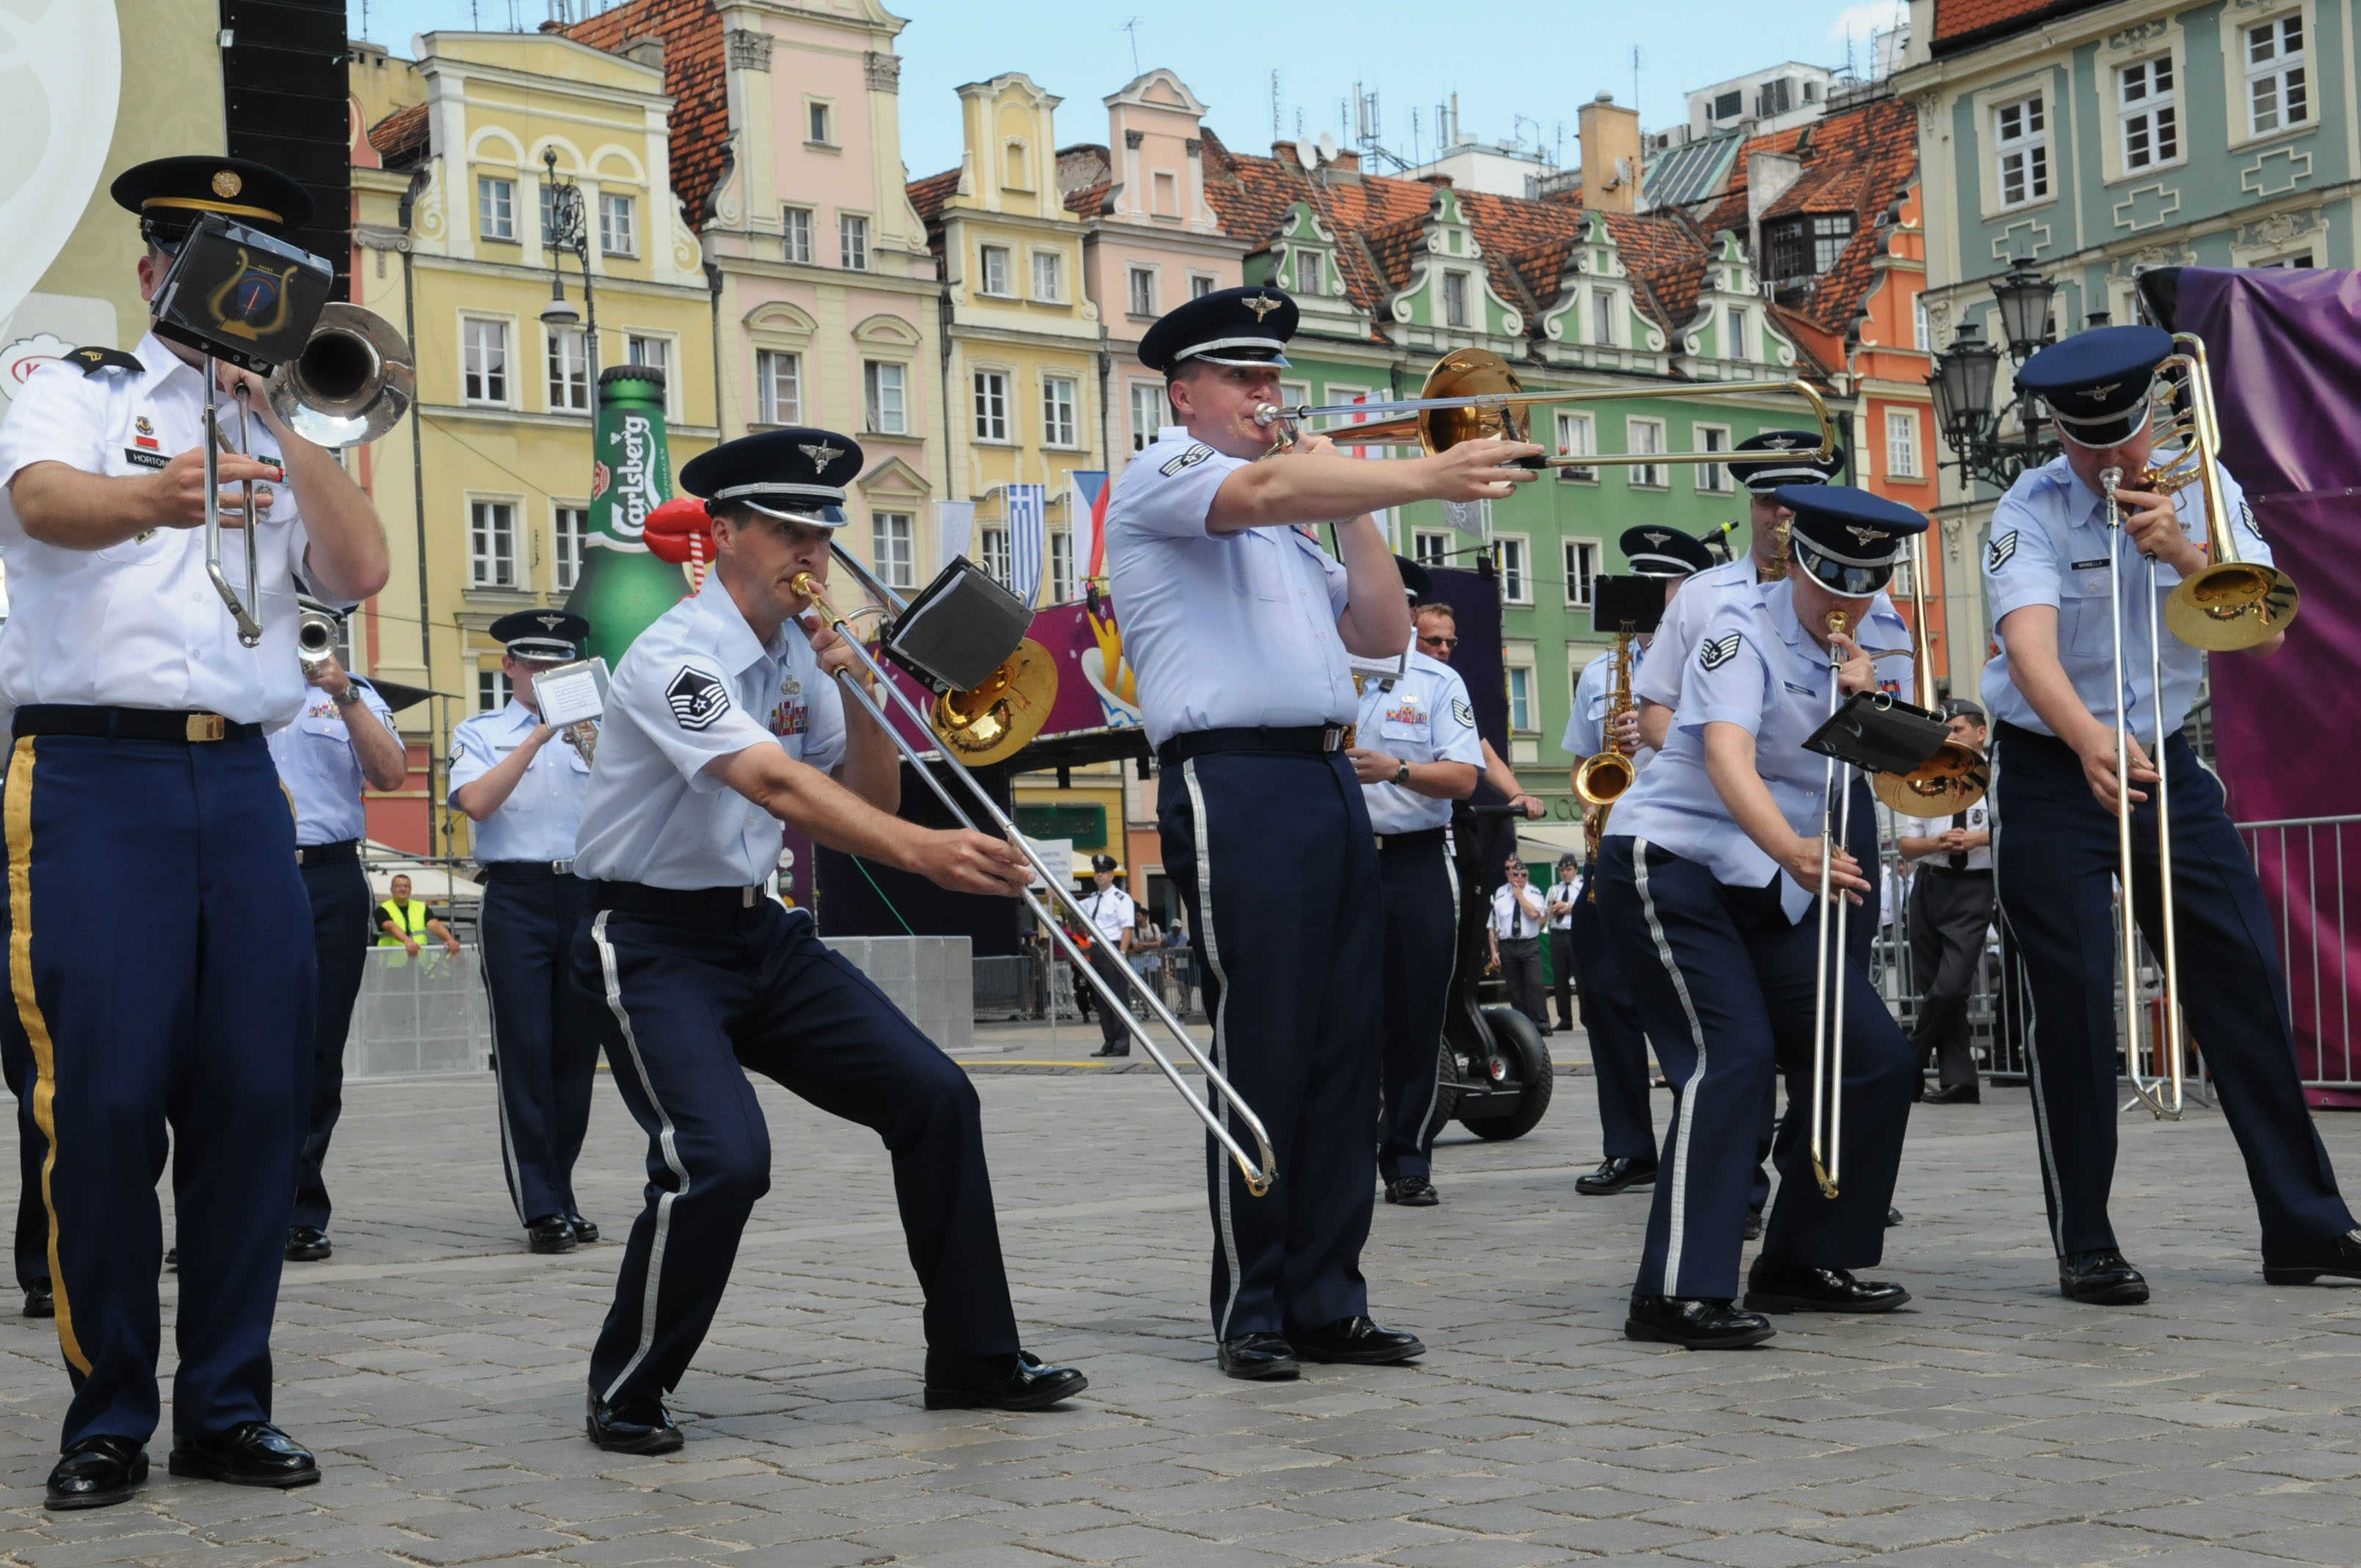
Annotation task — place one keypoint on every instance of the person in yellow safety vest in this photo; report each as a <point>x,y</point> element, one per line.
<point>403,920</point>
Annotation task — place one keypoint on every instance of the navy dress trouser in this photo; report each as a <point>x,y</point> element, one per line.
<point>1618,1043</point>
<point>2054,852</point>
<point>1421,925</point>
<point>1276,867</point>
<point>690,1006</point>
<point>32,1218</point>
<point>544,1034</point>
<point>1726,986</point>
<point>340,901</point>
<point>183,855</point>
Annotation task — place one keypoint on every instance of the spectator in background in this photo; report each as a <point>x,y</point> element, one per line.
<point>1951,914</point>
<point>1559,905</point>
<point>402,922</point>
<point>1517,919</point>
<point>1112,913</point>
<point>1180,964</point>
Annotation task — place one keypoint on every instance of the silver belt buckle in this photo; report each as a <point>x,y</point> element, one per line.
<point>749,896</point>
<point>562,868</point>
<point>1331,738</point>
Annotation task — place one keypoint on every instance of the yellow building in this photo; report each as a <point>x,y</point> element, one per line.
<point>1023,384</point>
<point>486,492</point>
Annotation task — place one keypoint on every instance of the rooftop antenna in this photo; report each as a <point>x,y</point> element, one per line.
<point>1274,104</point>
<point>1132,27</point>
<point>1416,157</point>
<point>1635,78</point>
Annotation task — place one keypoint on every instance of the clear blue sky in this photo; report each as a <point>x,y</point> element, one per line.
<point>1414,55</point>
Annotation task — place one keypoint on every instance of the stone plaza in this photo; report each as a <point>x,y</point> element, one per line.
<point>438,1368</point>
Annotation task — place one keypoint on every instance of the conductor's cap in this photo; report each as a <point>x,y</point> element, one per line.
<point>1247,326</point>
<point>172,193</point>
<point>797,475</point>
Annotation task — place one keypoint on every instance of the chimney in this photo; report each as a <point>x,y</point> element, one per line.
<point>1610,156</point>
<point>646,50</point>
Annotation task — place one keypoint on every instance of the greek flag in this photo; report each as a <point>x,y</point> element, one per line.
<point>1028,532</point>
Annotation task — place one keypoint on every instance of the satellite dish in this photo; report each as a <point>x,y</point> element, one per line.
<point>1305,153</point>
<point>1327,145</point>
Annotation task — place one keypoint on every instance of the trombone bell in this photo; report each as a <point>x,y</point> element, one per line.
<point>352,383</point>
<point>1950,782</point>
<point>993,721</point>
<point>2232,605</point>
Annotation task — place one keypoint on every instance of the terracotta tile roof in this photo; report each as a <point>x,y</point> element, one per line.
<point>1963,24</point>
<point>929,195</point>
<point>1084,178</point>
<point>695,75</point>
<point>401,138</point>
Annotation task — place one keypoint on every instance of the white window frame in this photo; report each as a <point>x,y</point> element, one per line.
<point>2248,74</point>
<point>1922,331</point>
<point>852,241</point>
<point>1069,437</point>
<point>2030,143</point>
<point>667,345</point>
<point>1577,436</point>
<point>1001,287</point>
<point>1603,318</point>
<point>994,553</point>
<point>1902,445</point>
<point>876,417</point>
<point>1429,547</point>
<point>1202,284</point>
<point>2147,118</point>
<point>505,373</point>
<point>1061,565</point>
<point>566,375</point>
<point>484,556</point>
<point>1133,277</point>
<point>795,237</point>
<point>1738,330</point>
<point>1581,559</point>
<point>767,407</point>
<point>493,690</point>
<point>1055,263</point>
<point>567,546</point>
<point>1645,476</point>
<point>1456,309</point>
<point>894,548</point>
<point>988,391</point>
<point>820,117</point>
<point>1314,281</point>
<point>1512,664</point>
<point>611,203</point>
<point>496,221</point>
<point>1712,479</point>
<point>1515,554</point>
<point>1150,411</point>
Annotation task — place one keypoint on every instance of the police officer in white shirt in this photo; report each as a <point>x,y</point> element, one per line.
<point>1707,877</point>
<point>723,722</point>
<point>522,784</point>
<point>144,817</point>
<point>1112,914</point>
<point>1239,625</point>
<point>344,739</point>
<point>1516,942</point>
<point>2055,694</point>
<point>1558,900</point>
<point>1950,905</point>
<point>1417,753</point>
<point>1610,1014</point>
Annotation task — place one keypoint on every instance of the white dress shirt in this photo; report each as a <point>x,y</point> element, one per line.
<point>696,687</point>
<point>138,624</point>
<point>540,819</point>
<point>1510,919</point>
<point>1978,820</point>
<point>1112,913</point>
<point>320,768</point>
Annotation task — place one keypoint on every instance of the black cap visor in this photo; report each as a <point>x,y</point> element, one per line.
<point>1839,578</point>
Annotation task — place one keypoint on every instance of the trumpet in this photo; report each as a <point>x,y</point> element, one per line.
<point>1259,1171</point>
<point>1827,1033</point>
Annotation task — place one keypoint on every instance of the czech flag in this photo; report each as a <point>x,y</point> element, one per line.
<point>1088,512</point>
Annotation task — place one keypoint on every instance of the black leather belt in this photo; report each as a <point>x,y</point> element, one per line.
<point>1417,840</point>
<point>1309,739</point>
<point>526,871</point>
<point>716,906</point>
<point>1955,871</point>
<point>128,723</point>
<point>328,854</point>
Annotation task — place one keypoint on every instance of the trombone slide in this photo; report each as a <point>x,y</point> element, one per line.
<point>244,611</point>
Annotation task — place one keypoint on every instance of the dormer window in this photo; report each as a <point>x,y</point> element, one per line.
<point>1806,247</point>
<point>1455,298</point>
<point>1602,317</point>
<point>1310,273</point>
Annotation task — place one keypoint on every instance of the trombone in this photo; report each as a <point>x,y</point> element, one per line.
<point>1955,777</point>
<point>1473,394</point>
<point>1258,1172</point>
<point>1827,1034</point>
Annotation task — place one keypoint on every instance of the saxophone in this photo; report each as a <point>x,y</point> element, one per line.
<point>1601,780</point>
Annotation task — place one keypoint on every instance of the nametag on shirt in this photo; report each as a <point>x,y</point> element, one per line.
<point>2086,566</point>
<point>141,458</point>
<point>1799,691</point>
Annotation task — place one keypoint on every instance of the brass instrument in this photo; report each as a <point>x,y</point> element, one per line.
<point>1258,1173</point>
<point>316,636</point>
<point>1601,780</point>
<point>1955,777</point>
<point>2231,604</point>
<point>1472,394</point>
<point>584,738</point>
<point>1828,1033</point>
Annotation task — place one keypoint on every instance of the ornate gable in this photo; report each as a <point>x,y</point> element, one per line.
<point>1598,322</point>
<point>1731,336</point>
<point>1443,296</point>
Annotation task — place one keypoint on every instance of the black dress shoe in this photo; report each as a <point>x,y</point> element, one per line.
<point>584,1232</point>
<point>1356,1342</point>
<point>96,1471</point>
<point>1616,1174</point>
<point>1412,1192</point>
<point>1775,1287</point>
<point>2342,1257</point>
<point>1018,1382</point>
<point>1112,1051</point>
<point>1753,1228</point>
<point>551,1233</point>
<point>1255,1356</point>
<point>39,1300</point>
<point>1956,1094</point>
<point>308,1243</point>
<point>251,1454</point>
<point>1695,1323</point>
<point>637,1425</point>
<point>2101,1277</point>
<point>1892,1218</point>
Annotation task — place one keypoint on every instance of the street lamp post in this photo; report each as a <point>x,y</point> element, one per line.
<point>1963,386</point>
<point>569,228</point>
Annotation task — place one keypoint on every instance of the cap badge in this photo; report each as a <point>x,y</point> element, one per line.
<point>1864,535</point>
<point>1781,443</point>
<point>2103,390</point>
<point>550,622</point>
<point>821,451</point>
<point>1656,538</point>
<point>226,183</point>
<point>1261,305</point>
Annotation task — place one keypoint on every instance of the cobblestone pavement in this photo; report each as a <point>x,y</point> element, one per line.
<point>438,1369</point>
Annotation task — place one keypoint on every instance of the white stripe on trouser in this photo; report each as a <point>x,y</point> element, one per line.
<point>1221,1014</point>
<point>1424,1137</point>
<point>1679,1213</point>
<point>499,1086</point>
<point>2032,1058</point>
<point>666,1139</point>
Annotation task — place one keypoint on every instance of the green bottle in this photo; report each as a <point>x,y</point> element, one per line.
<point>621,587</point>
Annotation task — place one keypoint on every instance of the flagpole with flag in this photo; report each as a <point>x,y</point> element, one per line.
<point>1088,510</point>
<point>1027,511</point>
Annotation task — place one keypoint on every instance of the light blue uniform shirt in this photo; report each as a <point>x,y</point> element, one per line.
<point>1586,726</point>
<point>538,819</point>
<point>1424,718</point>
<point>321,770</point>
<point>1225,630</point>
<point>2049,544</point>
<point>1657,676</point>
<point>1755,667</point>
<point>695,686</point>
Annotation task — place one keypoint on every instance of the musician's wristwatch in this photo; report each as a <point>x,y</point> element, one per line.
<point>1401,774</point>
<point>349,695</point>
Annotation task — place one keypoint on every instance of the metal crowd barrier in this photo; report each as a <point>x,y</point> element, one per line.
<point>426,1015</point>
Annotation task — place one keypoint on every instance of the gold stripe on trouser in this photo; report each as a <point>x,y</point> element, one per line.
<point>19,813</point>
